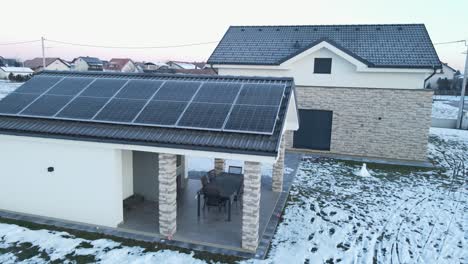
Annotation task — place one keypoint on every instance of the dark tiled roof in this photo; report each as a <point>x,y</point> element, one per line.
<point>117,64</point>
<point>37,62</point>
<point>243,143</point>
<point>92,60</point>
<point>395,45</point>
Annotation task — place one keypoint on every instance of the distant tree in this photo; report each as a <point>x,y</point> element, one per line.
<point>11,77</point>
<point>443,84</point>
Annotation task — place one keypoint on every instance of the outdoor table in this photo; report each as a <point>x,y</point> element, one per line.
<point>229,185</point>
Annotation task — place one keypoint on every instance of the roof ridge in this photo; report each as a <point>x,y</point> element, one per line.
<point>329,25</point>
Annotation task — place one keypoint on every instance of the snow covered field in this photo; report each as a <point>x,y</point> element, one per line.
<point>397,215</point>
<point>446,107</point>
<point>7,87</point>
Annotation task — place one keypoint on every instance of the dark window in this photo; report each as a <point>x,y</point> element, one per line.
<point>322,65</point>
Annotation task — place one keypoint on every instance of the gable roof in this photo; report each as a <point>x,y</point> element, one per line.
<point>37,62</point>
<point>448,66</point>
<point>117,64</point>
<point>170,137</point>
<point>389,46</point>
<point>91,60</point>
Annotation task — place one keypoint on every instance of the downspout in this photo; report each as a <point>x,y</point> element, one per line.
<point>430,76</point>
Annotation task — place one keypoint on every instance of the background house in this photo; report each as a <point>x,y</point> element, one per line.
<point>87,64</point>
<point>22,71</point>
<point>182,65</point>
<point>121,65</point>
<point>442,79</point>
<point>359,87</point>
<point>52,64</point>
<point>5,62</point>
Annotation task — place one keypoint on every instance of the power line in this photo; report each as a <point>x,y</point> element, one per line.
<point>19,42</point>
<point>450,42</point>
<point>131,47</point>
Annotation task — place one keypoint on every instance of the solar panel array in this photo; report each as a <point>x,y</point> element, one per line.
<point>206,105</point>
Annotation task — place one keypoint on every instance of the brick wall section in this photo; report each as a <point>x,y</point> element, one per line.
<point>220,165</point>
<point>167,194</point>
<point>278,169</point>
<point>401,133</point>
<point>251,205</point>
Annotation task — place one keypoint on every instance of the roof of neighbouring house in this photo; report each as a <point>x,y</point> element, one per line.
<point>92,60</point>
<point>448,66</point>
<point>117,64</point>
<point>16,119</point>
<point>37,62</point>
<point>389,46</point>
<point>184,64</point>
<point>17,69</point>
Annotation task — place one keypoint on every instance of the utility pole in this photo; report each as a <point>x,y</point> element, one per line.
<point>463,90</point>
<point>43,54</point>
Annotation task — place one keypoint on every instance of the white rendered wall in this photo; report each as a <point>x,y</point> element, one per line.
<point>127,173</point>
<point>86,185</point>
<point>344,74</point>
<point>57,65</point>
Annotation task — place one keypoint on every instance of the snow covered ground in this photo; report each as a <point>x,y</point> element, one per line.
<point>397,215</point>
<point>446,107</point>
<point>7,87</point>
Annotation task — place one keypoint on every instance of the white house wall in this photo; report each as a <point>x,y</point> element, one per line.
<point>344,74</point>
<point>86,185</point>
<point>57,65</point>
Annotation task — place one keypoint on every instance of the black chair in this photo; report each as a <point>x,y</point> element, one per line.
<point>213,198</point>
<point>204,181</point>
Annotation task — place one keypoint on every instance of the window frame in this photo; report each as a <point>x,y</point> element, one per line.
<point>320,69</point>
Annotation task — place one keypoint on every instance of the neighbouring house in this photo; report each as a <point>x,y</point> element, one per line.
<point>87,64</point>
<point>182,65</point>
<point>110,150</point>
<point>151,67</point>
<point>22,71</point>
<point>121,65</point>
<point>446,73</point>
<point>360,88</point>
<point>52,64</point>
<point>5,62</point>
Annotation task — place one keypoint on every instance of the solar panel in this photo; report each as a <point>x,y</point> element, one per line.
<point>70,86</point>
<point>250,118</point>
<point>38,84</point>
<point>139,89</point>
<point>104,87</point>
<point>15,102</point>
<point>83,108</point>
<point>46,105</point>
<point>217,93</point>
<point>205,115</point>
<point>120,110</point>
<point>261,94</point>
<point>177,91</point>
<point>161,113</point>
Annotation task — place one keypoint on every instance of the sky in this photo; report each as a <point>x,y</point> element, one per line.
<point>165,23</point>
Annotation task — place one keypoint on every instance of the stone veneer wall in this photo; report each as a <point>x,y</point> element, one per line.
<point>373,122</point>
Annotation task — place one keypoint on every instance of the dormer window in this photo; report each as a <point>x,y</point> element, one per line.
<point>322,65</point>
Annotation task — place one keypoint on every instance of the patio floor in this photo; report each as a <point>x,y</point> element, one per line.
<point>212,228</point>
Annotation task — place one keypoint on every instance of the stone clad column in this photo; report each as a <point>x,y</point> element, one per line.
<point>167,194</point>
<point>220,165</point>
<point>251,205</point>
<point>278,168</point>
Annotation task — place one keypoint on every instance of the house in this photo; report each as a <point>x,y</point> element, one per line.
<point>110,150</point>
<point>52,64</point>
<point>6,71</point>
<point>182,65</point>
<point>121,65</point>
<point>447,72</point>
<point>87,64</point>
<point>360,88</point>
<point>5,62</point>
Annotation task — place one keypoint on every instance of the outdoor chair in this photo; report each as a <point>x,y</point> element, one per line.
<point>211,175</point>
<point>204,181</point>
<point>213,198</point>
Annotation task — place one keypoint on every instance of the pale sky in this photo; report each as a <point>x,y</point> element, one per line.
<point>159,23</point>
